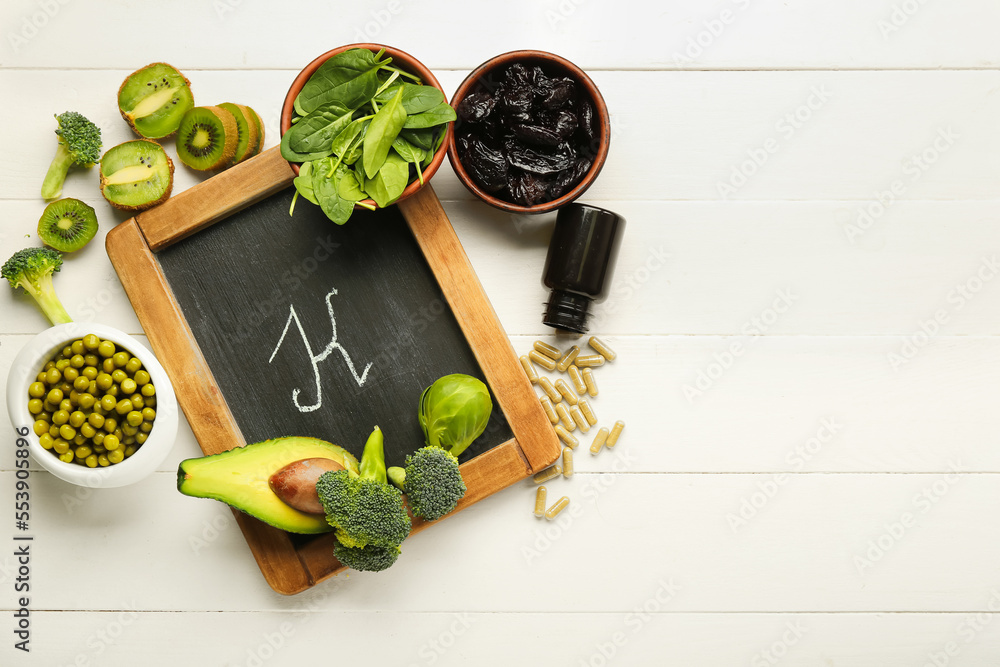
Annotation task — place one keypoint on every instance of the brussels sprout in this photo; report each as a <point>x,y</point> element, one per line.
<point>454,412</point>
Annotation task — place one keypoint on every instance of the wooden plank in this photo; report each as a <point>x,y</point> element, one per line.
<point>472,309</point>
<point>192,210</point>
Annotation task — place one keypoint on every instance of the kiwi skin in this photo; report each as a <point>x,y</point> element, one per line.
<point>253,138</point>
<point>143,207</point>
<point>230,131</point>
<point>122,111</point>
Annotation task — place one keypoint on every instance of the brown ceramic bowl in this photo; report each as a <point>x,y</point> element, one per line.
<point>487,76</point>
<point>400,59</point>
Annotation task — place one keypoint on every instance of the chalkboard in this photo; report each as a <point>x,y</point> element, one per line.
<point>321,330</point>
<point>270,325</point>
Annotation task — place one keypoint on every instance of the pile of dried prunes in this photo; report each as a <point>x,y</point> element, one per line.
<point>526,136</point>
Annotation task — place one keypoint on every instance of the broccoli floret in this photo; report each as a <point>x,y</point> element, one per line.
<point>32,269</point>
<point>363,509</point>
<point>431,481</point>
<point>79,145</point>
<point>367,559</point>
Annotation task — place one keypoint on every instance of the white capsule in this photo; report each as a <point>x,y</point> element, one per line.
<point>549,411</point>
<point>529,370</point>
<point>588,378</point>
<point>550,351</point>
<point>602,348</point>
<point>567,392</point>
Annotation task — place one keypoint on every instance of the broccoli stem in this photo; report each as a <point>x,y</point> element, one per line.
<point>56,176</point>
<point>373,458</point>
<point>397,476</point>
<point>48,301</point>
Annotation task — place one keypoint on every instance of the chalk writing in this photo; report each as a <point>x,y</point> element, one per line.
<point>316,359</point>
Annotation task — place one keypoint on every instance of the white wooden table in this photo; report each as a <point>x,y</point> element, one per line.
<point>807,477</point>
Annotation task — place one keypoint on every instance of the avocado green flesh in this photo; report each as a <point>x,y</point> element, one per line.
<point>240,476</point>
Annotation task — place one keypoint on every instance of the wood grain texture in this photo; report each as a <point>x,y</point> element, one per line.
<point>479,322</point>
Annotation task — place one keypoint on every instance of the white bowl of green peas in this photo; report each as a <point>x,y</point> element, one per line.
<point>94,405</point>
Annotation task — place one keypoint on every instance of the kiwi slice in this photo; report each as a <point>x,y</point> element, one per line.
<point>136,175</point>
<point>260,128</point>
<point>67,225</point>
<point>207,138</point>
<point>154,99</point>
<point>247,142</point>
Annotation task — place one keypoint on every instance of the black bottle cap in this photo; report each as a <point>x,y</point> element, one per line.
<point>580,263</point>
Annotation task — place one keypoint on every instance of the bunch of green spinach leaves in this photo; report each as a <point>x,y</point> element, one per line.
<point>361,131</point>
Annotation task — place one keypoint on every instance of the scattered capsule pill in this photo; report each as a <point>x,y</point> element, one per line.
<point>577,414</point>
<point>549,410</point>
<point>529,370</point>
<point>567,437</point>
<point>568,358</point>
<point>553,511</point>
<point>549,390</point>
<point>590,360</point>
<point>540,495</point>
<point>549,473</point>
<point>616,431</point>
<point>565,418</point>
<point>542,360</point>
<point>602,348</point>
<point>577,379</point>
<point>599,440</point>
<point>588,379</point>
<point>550,351</point>
<point>567,462</point>
<point>567,392</point>
<point>588,412</point>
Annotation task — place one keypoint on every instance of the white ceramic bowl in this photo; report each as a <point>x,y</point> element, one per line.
<point>145,460</point>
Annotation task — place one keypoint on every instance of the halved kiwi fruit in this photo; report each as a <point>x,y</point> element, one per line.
<point>248,141</point>
<point>136,175</point>
<point>67,225</point>
<point>154,99</point>
<point>207,138</point>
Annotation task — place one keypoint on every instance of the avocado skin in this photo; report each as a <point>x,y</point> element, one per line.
<point>239,478</point>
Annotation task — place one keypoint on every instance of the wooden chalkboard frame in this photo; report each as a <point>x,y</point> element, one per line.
<point>291,566</point>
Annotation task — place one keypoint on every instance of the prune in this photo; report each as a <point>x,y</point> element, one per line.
<point>540,161</point>
<point>585,116</point>
<point>462,142</point>
<point>516,104</point>
<point>528,189</point>
<point>476,107</point>
<point>560,94</point>
<point>565,124</point>
<point>565,180</point>
<point>486,166</point>
<point>537,135</point>
<point>517,76</point>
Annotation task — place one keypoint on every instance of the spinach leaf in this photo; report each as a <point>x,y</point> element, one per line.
<point>295,156</point>
<point>411,154</point>
<point>437,145</point>
<point>315,132</point>
<point>349,188</point>
<point>390,181</point>
<point>344,142</point>
<point>440,114</point>
<point>350,77</point>
<point>303,182</point>
<point>382,131</point>
<point>336,207</point>
<point>420,138</point>
<point>416,99</point>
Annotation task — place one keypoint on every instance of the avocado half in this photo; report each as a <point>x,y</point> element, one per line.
<point>240,476</point>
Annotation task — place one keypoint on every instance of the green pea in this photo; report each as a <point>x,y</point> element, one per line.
<point>133,366</point>
<point>108,365</point>
<point>128,386</point>
<point>46,441</point>
<point>114,391</point>
<point>121,358</point>
<point>149,414</point>
<point>77,418</point>
<point>119,376</point>
<point>138,401</point>
<point>133,418</point>
<point>35,406</point>
<point>81,383</point>
<point>79,439</point>
<point>99,438</point>
<point>116,456</point>
<point>60,417</point>
<point>66,405</point>
<point>129,451</point>
<point>91,461</point>
<point>60,446</point>
<point>70,374</point>
<point>36,390</point>
<point>146,427</point>
<point>141,378</point>
<point>104,381</point>
<point>87,430</point>
<point>49,365</point>
<point>67,457</point>
<point>54,431</point>
<point>62,364</point>
<point>110,424</point>
<point>129,431</point>
<point>77,361</point>
<point>89,372</point>
<point>41,426</point>
<point>77,346</point>
<point>148,390</point>
<point>91,342</point>
<point>83,452</point>
<point>106,348</point>
<point>54,396</point>
<point>91,359</point>
<point>41,377</point>
<point>67,351</point>
<point>67,432</point>
<point>87,401</point>
<point>103,461</point>
<point>111,443</point>
<point>95,420</point>
<point>141,437</point>
<point>124,406</point>
<point>109,402</point>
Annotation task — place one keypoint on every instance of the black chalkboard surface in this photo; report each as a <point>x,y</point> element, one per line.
<point>270,325</point>
<point>321,330</point>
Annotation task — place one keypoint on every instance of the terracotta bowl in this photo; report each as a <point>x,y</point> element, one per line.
<point>487,76</point>
<point>400,59</point>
